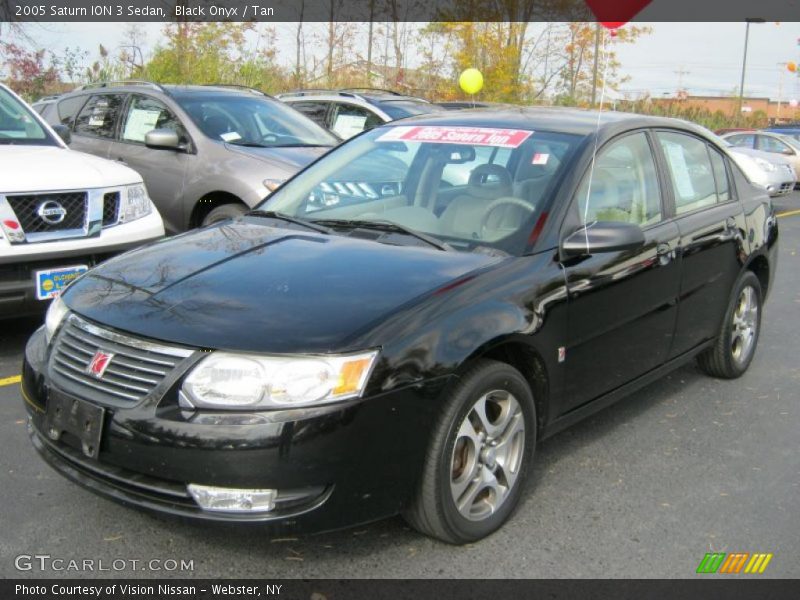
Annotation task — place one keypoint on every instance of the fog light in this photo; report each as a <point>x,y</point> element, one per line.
<point>231,499</point>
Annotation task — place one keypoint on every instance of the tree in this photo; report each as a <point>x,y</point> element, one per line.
<point>27,73</point>
<point>577,77</point>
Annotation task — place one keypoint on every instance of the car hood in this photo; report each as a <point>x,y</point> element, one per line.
<point>244,285</point>
<point>288,159</point>
<point>768,156</point>
<point>49,168</point>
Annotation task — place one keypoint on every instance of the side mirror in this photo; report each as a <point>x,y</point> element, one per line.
<point>788,152</point>
<point>601,237</point>
<point>64,133</point>
<point>163,139</point>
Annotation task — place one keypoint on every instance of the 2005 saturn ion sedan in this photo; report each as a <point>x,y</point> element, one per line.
<point>373,341</point>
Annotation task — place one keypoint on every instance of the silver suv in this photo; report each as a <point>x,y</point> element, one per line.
<point>206,153</point>
<point>350,111</point>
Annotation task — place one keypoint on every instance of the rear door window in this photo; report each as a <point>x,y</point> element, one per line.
<point>348,120</point>
<point>690,170</point>
<point>99,116</point>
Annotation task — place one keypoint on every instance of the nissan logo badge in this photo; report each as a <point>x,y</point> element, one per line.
<point>51,212</point>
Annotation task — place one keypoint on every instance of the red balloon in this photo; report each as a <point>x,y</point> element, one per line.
<point>614,13</point>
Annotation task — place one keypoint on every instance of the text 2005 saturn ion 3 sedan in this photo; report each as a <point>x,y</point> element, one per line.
<point>371,342</point>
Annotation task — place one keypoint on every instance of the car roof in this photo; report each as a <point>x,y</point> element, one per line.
<point>176,90</point>
<point>547,118</point>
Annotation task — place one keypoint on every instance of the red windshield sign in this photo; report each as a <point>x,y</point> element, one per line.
<point>475,136</point>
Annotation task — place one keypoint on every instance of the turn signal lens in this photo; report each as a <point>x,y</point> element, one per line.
<point>351,376</point>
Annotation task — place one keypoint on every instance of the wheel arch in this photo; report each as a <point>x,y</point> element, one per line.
<point>519,353</point>
<point>761,267</point>
<point>209,202</point>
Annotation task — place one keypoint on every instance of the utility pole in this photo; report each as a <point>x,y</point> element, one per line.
<point>680,73</point>
<point>596,59</point>
<point>781,67</point>
<point>744,62</point>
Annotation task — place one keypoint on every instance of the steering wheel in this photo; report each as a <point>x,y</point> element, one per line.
<point>270,137</point>
<point>495,204</point>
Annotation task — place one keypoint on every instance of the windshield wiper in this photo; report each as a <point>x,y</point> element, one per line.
<point>389,226</point>
<point>247,144</point>
<point>304,146</point>
<point>271,214</point>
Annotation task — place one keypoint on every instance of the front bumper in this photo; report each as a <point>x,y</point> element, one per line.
<point>332,467</point>
<point>19,263</point>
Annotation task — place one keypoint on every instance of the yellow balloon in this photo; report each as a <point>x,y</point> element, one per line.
<point>471,81</point>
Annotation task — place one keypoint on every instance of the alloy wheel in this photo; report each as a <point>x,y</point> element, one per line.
<point>487,455</point>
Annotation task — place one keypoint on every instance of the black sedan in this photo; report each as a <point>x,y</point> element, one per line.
<point>315,364</point>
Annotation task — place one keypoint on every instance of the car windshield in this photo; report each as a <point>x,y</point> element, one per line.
<point>253,121</point>
<point>399,109</point>
<point>473,188</point>
<point>791,141</point>
<point>18,125</point>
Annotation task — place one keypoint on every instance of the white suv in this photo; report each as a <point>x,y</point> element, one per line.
<point>61,211</point>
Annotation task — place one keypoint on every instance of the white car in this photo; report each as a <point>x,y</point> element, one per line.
<point>772,172</point>
<point>61,211</point>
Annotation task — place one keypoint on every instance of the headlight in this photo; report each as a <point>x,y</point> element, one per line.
<point>55,314</point>
<point>246,381</point>
<point>764,164</point>
<point>134,203</point>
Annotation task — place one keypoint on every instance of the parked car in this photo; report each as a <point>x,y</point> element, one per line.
<point>61,211</point>
<point>772,172</point>
<point>774,143</point>
<point>314,368</point>
<point>725,130</point>
<point>350,111</point>
<point>790,129</point>
<point>206,153</point>
<point>43,102</point>
<point>466,104</point>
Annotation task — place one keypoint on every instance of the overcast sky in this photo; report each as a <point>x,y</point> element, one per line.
<point>708,54</point>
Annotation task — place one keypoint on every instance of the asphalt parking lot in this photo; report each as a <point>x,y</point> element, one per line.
<point>686,466</point>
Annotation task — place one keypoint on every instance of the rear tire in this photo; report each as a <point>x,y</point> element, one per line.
<point>226,211</point>
<point>479,455</point>
<point>733,351</point>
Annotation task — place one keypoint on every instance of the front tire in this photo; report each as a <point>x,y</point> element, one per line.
<point>479,456</point>
<point>225,211</point>
<point>733,351</point>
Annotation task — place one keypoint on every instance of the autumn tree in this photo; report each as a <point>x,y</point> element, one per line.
<point>27,73</point>
<point>577,75</point>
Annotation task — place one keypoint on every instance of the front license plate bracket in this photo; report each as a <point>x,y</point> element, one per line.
<point>81,419</point>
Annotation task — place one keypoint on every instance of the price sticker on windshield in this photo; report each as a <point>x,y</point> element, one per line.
<point>475,136</point>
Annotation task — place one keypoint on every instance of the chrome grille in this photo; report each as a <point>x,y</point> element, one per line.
<point>110,208</point>
<point>136,368</point>
<point>27,207</point>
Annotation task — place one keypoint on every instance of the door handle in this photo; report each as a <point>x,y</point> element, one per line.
<point>665,253</point>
